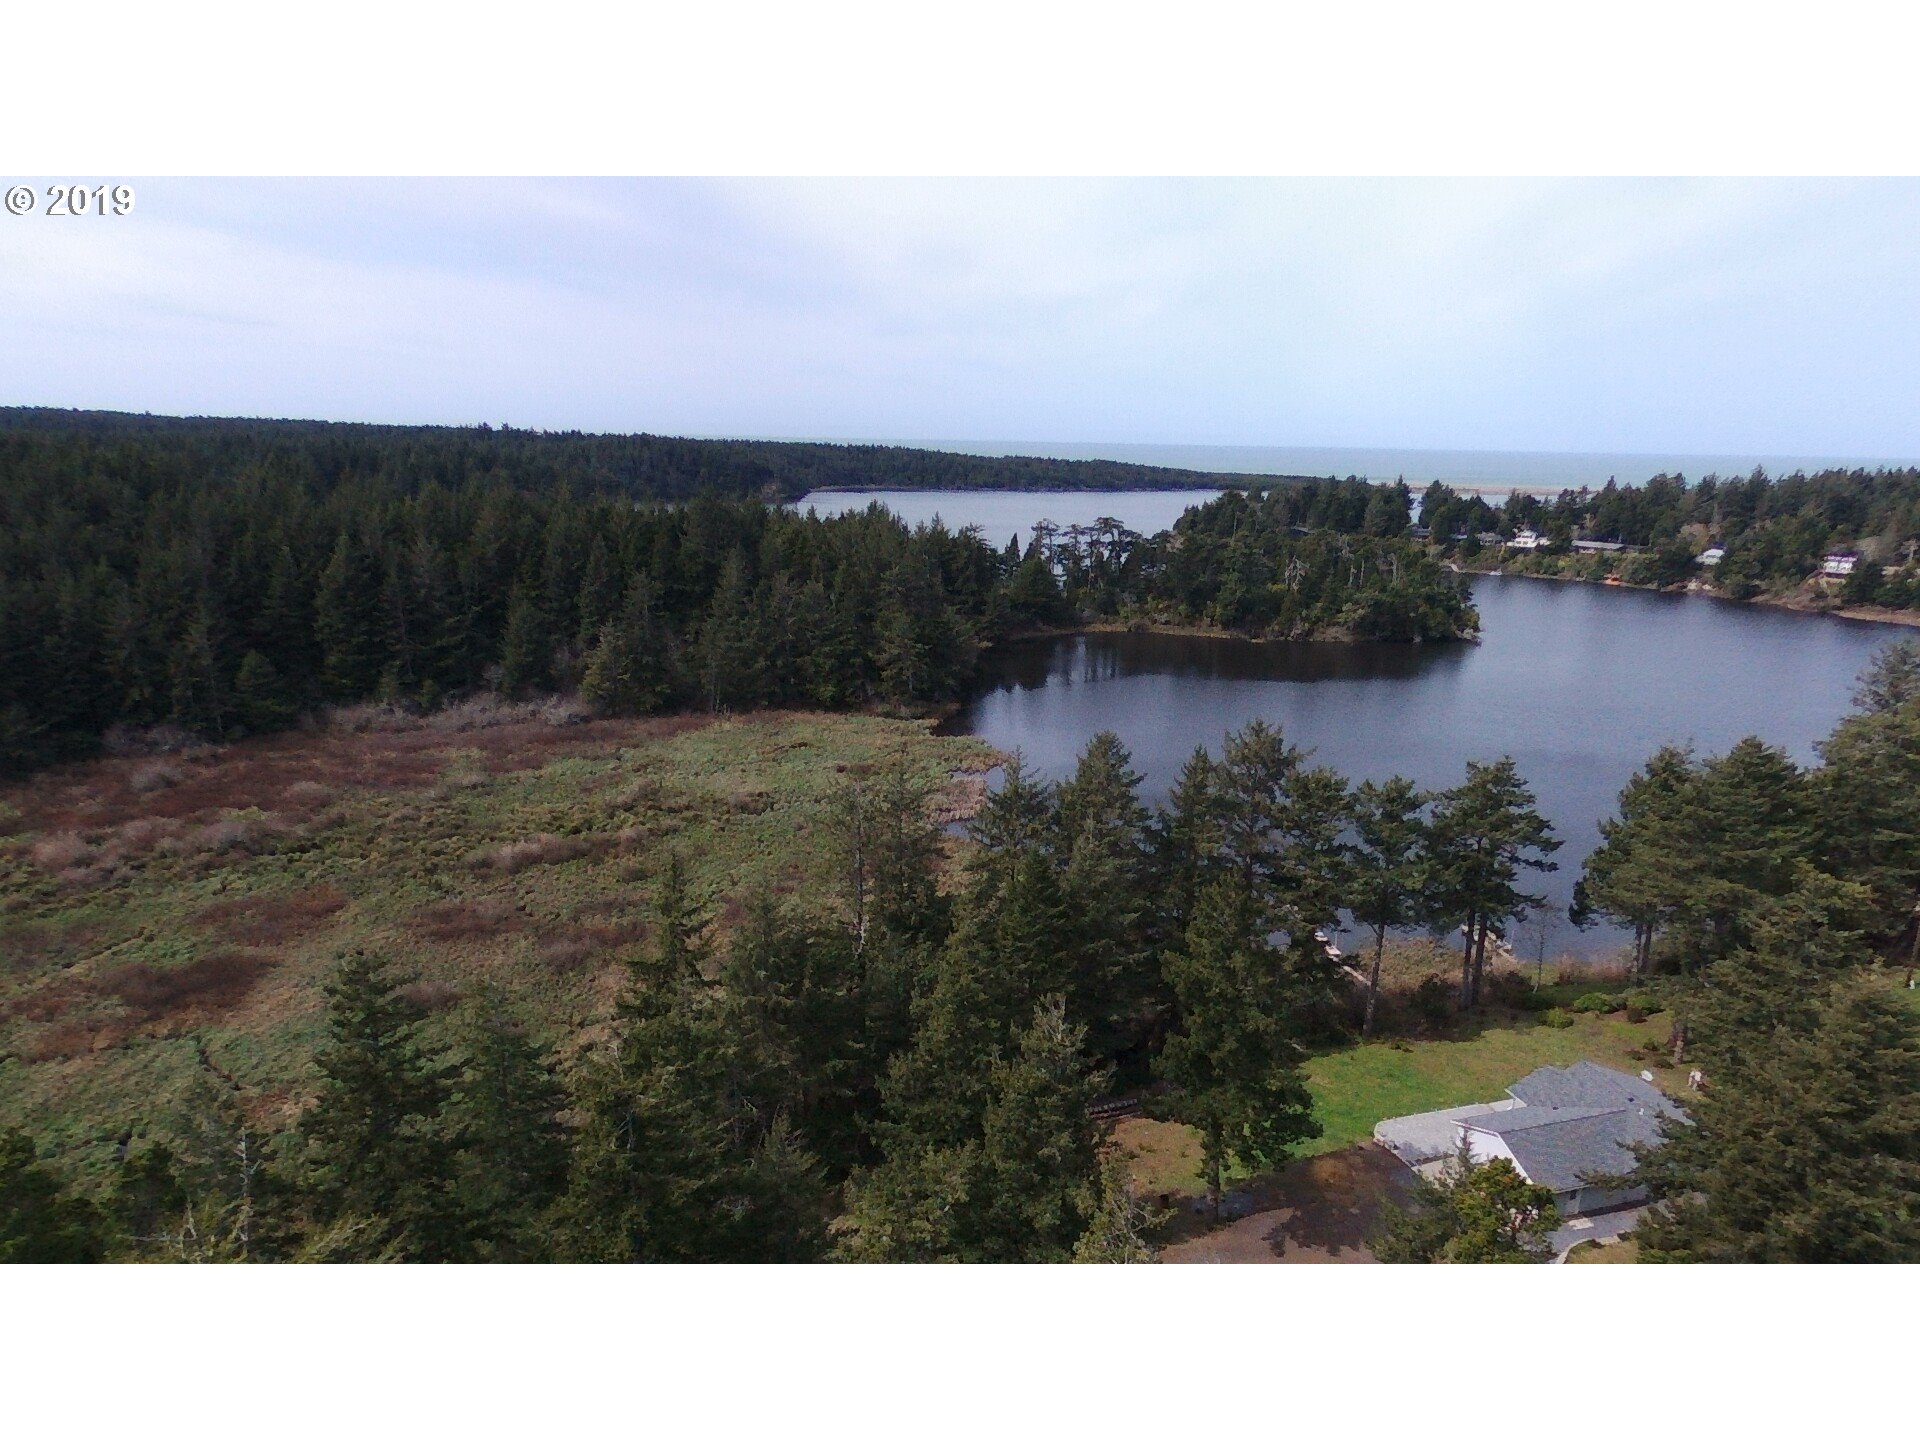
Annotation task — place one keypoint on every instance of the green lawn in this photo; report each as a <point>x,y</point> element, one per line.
<point>1355,1088</point>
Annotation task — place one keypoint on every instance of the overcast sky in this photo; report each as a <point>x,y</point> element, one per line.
<point>1671,316</point>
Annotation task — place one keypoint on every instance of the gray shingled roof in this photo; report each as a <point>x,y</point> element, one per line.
<point>1529,1117</point>
<point>1577,1121</point>
<point>1584,1084</point>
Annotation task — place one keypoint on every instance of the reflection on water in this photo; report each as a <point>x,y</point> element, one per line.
<point>1088,659</point>
<point>1010,514</point>
<point>1577,683</point>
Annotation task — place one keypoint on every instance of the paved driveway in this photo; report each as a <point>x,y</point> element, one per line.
<point>1594,1227</point>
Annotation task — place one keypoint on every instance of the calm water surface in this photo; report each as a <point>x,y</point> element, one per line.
<point>1579,684</point>
<point>1001,514</point>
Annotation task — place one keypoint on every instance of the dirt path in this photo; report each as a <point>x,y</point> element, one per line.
<point>1315,1212</point>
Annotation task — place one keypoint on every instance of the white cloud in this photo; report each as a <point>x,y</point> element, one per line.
<point>1677,315</point>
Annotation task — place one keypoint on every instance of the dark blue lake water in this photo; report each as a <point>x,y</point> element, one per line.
<point>1579,684</point>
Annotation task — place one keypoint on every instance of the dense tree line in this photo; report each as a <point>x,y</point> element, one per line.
<point>1775,531</point>
<point>175,583</point>
<point>1770,905</point>
<point>904,1072</point>
<point>224,609</point>
<point>1312,559</point>
<point>656,467</point>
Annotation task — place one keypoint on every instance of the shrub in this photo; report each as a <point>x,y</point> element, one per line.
<point>223,835</point>
<point>563,954</point>
<point>61,852</point>
<point>1598,1002</point>
<point>1432,1001</point>
<point>306,795</point>
<point>214,982</point>
<point>1509,988</point>
<point>448,921</point>
<point>429,996</point>
<point>518,855</point>
<point>1557,1018</point>
<point>123,739</point>
<point>155,776</point>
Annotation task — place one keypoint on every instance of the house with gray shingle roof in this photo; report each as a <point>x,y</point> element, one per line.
<point>1561,1126</point>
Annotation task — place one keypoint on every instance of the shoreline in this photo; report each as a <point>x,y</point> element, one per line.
<point>1327,635</point>
<point>1799,605</point>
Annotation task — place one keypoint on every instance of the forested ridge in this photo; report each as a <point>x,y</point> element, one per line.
<point>326,453</point>
<point>154,584</point>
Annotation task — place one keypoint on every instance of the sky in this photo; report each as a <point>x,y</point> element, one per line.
<point>1677,316</point>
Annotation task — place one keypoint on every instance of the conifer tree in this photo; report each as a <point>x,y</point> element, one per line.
<point>260,696</point>
<point>1103,834</point>
<point>1253,782</point>
<point>1761,830</point>
<point>1389,851</point>
<point>526,651</point>
<point>887,847</point>
<point>1188,843</point>
<point>1641,871</point>
<point>1119,1227</point>
<point>732,647</point>
<point>505,1108</point>
<point>1805,1144</point>
<point>916,1208</point>
<point>1485,831</point>
<point>1891,680</point>
<point>377,1150</point>
<point>1232,1065</point>
<point>1472,1214</point>
<point>42,1222</point>
<point>1018,817</point>
<point>1039,1152</point>
<point>347,621</point>
<point>1867,815</point>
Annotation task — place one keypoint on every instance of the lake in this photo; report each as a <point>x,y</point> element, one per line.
<point>1001,514</point>
<point>1580,684</point>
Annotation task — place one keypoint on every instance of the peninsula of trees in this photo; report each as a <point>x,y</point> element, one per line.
<point>654,467</point>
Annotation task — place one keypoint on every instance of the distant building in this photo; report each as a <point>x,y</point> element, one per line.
<point>1527,540</point>
<point>1841,562</point>
<point>1710,557</point>
<point>1599,547</point>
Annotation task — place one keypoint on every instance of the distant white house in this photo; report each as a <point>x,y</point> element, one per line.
<point>1840,562</point>
<point>1710,557</point>
<point>1527,540</point>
